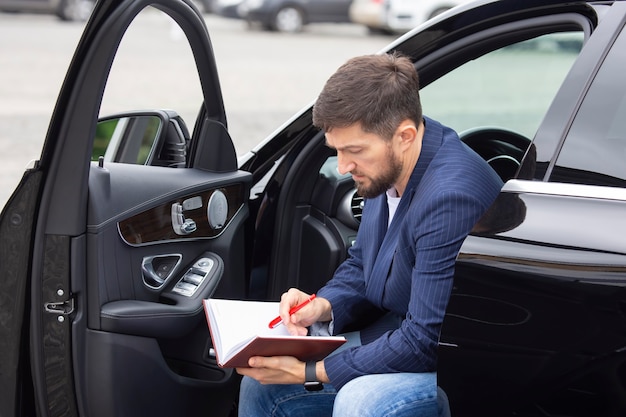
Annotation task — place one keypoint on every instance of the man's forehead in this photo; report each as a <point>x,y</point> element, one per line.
<point>344,137</point>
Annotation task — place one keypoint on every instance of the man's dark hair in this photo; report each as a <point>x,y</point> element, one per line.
<point>377,91</point>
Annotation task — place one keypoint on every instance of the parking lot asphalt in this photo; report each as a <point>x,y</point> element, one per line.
<point>266,77</point>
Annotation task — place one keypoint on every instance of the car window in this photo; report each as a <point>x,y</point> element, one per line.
<point>594,151</point>
<point>510,87</point>
<point>164,66</point>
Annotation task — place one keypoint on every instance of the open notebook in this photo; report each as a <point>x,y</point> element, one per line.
<point>239,329</point>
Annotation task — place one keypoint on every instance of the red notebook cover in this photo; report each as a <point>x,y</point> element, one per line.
<point>239,329</point>
<point>305,348</point>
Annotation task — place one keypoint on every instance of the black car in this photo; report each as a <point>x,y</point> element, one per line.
<point>293,15</point>
<point>112,240</point>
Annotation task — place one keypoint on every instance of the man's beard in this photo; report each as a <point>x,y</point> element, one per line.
<point>382,182</point>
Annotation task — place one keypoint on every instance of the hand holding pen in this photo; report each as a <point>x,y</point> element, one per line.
<point>278,320</point>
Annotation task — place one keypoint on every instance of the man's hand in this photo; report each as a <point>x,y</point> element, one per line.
<point>279,370</point>
<point>319,309</point>
<point>275,370</point>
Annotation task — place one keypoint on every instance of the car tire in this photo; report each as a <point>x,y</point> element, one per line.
<point>75,10</point>
<point>289,19</point>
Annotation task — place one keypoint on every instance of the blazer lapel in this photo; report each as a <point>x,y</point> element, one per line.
<point>384,259</point>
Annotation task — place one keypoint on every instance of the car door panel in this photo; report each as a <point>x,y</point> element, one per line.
<point>16,228</point>
<point>104,341</point>
<point>141,226</point>
<point>175,387</point>
<point>137,325</point>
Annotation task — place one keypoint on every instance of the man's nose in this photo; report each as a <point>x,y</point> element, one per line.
<point>344,165</point>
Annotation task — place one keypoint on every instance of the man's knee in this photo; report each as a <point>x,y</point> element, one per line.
<point>389,395</point>
<point>442,403</point>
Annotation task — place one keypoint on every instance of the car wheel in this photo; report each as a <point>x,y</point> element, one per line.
<point>75,10</point>
<point>289,19</point>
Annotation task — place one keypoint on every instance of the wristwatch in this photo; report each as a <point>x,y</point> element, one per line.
<point>310,377</point>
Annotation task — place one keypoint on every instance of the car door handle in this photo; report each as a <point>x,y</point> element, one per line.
<point>156,270</point>
<point>175,316</point>
<point>182,226</point>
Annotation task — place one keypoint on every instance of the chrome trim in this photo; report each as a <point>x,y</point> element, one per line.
<point>148,272</point>
<point>564,189</point>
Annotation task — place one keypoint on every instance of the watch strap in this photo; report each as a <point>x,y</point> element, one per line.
<point>310,377</point>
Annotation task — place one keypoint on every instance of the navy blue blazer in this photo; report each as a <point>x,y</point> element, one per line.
<point>408,269</point>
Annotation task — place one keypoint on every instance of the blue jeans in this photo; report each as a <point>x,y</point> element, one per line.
<point>397,395</point>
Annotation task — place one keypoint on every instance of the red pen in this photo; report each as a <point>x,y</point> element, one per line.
<point>293,310</point>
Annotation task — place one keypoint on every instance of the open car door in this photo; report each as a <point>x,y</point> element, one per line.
<point>111,248</point>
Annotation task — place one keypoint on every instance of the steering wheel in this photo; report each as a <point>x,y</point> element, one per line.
<point>502,149</point>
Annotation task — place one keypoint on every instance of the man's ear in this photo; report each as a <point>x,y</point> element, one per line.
<point>407,132</point>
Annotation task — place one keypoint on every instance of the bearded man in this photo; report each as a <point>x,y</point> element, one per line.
<point>424,190</point>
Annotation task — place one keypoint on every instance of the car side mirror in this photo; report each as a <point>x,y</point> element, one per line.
<point>158,138</point>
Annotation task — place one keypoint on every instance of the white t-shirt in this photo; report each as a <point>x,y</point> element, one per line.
<point>392,201</point>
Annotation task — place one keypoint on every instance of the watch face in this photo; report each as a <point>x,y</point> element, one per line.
<point>313,386</point>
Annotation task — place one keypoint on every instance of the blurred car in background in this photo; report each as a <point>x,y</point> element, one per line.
<point>293,15</point>
<point>397,16</point>
<point>205,6</point>
<point>68,10</point>
<point>226,8</point>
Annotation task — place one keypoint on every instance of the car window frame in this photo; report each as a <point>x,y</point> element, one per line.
<point>601,89</point>
<point>566,104</point>
<point>492,60</point>
<point>436,64</point>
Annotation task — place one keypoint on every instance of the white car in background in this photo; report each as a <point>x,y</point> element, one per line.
<point>397,16</point>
